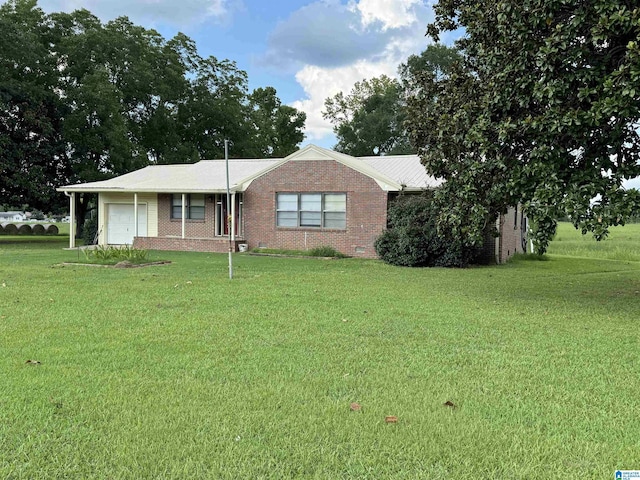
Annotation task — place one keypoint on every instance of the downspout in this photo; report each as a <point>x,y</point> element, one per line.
<point>72,215</point>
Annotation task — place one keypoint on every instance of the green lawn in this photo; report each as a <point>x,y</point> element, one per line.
<point>177,372</point>
<point>623,243</point>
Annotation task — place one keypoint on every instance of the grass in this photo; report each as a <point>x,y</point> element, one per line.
<point>177,372</point>
<point>623,243</point>
<point>325,252</point>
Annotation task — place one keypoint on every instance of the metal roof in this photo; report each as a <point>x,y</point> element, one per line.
<point>404,169</point>
<point>209,176</point>
<point>204,176</point>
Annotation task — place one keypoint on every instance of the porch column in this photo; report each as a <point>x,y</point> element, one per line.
<point>135,215</point>
<point>233,217</point>
<point>72,224</point>
<point>184,210</point>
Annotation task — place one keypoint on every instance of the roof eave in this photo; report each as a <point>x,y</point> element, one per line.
<point>233,189</point>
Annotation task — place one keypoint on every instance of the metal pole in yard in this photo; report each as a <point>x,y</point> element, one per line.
<point>229,222</point>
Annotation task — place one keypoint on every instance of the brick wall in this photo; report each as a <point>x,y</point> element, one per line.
<point>193,228</point>
<point>217,245</point>
<point>510,234</point>
<point>487,252</point>
<point>366,208</point>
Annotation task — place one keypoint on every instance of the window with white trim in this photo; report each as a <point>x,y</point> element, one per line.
<point>194,206</point>
<point>313,210</point>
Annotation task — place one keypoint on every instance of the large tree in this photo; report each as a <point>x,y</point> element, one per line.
<point>370,119</point>
<point>82,101</point>
<point>278,129</point>
<point>543,110</point>
<point>31,113</point>
<point>436,58</point>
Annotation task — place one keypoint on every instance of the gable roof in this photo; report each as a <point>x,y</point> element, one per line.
<point>392,173</point>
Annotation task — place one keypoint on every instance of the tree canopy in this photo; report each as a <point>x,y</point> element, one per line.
<point>83,101</point>
<point>370,120</point>
<point>542,110</point>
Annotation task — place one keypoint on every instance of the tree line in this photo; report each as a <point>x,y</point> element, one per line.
<point>82,101</point>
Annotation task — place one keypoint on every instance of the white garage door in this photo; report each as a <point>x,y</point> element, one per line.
<point>120,224</point>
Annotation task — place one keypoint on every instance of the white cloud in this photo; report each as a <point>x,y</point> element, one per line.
<point>170,12</point>
<point>321,82</point>
<point>324,33</point>
<point>390,13</point>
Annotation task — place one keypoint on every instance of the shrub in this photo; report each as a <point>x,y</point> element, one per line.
<point>37,214</point>
<point>89,230</point>
<point>325,251</point>
<point>111,254</point>
<point>412,239</point>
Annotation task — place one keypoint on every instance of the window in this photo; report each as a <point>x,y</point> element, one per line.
<point>315,210</point>
<point>194,206</point>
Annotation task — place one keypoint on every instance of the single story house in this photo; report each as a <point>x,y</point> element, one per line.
<point>12,217</point>
<point>314,197</point>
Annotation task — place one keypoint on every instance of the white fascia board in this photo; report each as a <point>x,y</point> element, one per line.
<point>234,188</point>
<point>385,187</point>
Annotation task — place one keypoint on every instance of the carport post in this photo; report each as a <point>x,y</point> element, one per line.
<point>72,217</point>
<point>135,216</point>
<point>184,209</point>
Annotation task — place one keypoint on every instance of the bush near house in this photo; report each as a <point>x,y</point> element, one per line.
<point>90,230</point>
<point>110,255</point>
<point>412,240</point>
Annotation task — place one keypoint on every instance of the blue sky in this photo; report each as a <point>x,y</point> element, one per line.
<point>307,50</point>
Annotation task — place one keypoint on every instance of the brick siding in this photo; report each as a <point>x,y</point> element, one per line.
<point>168,227</point>
<point>510,234</point>
<point>366,208</point>
<point>214,245</point>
